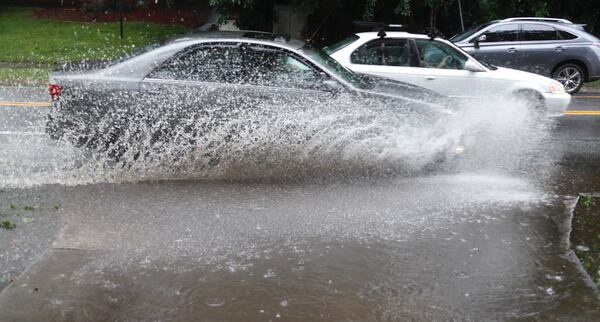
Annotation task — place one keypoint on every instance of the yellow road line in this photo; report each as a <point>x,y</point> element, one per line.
<point>581,112</point>
<point>32,104</point>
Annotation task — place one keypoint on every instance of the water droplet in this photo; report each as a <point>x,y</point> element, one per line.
<point>214,302</point>
<point>270,273</point>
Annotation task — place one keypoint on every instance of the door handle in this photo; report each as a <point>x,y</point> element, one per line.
<point>430,77</point>
<point>511,50</point>
<point>559,48</point>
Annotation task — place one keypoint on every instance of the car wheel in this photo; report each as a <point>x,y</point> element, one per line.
<point>571,76</point>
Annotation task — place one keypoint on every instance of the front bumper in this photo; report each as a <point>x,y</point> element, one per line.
<point>556,103</point>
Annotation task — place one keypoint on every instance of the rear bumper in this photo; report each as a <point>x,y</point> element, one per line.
<point>556,103</point>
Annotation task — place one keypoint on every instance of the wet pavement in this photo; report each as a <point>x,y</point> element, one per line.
<point>462,244</point>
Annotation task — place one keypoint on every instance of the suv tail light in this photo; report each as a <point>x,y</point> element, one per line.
<point>54,90</point>
<point>597,44</point>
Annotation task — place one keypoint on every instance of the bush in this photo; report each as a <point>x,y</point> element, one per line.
<point>106,5</point>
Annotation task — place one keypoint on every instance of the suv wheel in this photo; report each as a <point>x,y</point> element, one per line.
<point>571,76</point>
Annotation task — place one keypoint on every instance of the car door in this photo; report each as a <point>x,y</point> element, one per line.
<point>278,80</point>
<point>498,45</point>
<point>194,91</point>
<point>542,48</point>
<point>441,69</point>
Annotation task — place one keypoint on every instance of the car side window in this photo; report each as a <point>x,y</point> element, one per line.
<point>221,63</point>
<point>269,66</point>
<point>565,35</point>
<point>538,32</point>
<point>435,54</point>
<point>387,52</point>
<point>503,33</point>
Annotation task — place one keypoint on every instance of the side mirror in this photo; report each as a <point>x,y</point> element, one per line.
<point>332,86</point>
<point>478,40</point>
<point>473,67</point>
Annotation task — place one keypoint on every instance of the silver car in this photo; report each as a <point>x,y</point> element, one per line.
<point>551,47</point>
<point>206,76</point>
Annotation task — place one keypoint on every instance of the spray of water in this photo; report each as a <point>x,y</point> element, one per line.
<point>280,138</point>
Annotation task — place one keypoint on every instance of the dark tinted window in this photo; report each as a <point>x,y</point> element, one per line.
<point>566,35</point>
<point>535,32</point>
<point>467,33</point>
<point>389,52</point>
<point>220,64</point>
<point>502,33</point>
<point>237,63</point>
<point>276,67</point>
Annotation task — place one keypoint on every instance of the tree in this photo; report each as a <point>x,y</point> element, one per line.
<point>333,18</point>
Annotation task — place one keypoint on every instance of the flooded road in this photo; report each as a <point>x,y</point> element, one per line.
<point>467,243</point>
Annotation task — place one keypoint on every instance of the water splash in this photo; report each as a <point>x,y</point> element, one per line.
<point>281,138</point>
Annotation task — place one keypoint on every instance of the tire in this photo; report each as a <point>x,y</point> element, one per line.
<point>571,76</point>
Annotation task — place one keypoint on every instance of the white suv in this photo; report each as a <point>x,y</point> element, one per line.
<point>441,66</point>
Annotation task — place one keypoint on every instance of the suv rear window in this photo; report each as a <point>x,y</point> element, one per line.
<point>565,35</point>
<point>536,32</point>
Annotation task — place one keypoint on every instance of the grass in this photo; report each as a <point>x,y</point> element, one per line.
<point>587,201</point>
<point>7,224</point>
<point>27,41</point>
<point>32,76</point>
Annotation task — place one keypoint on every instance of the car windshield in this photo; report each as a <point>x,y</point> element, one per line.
<point>335,68</point>
<point>340,44</point>
<point>469,32</point>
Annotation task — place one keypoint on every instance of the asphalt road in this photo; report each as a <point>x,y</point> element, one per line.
<point>483,243</point>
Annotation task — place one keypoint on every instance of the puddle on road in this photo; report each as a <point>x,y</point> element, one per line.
<point>448,247</point>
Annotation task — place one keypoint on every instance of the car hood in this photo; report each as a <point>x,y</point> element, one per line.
<point>386,86</point>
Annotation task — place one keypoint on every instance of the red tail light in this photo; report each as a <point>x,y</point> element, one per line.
<point>54,90</point>
<point>597,44</point>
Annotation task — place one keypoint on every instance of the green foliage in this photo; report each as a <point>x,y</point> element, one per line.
<point>7,224</point>
<point>27,39</point>
<point>32,76</point>
<point>587,201</point>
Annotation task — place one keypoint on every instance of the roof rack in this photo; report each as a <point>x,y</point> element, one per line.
<point>559,20</point>
<point>381,28</point>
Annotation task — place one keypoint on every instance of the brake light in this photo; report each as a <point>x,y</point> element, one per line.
<point>55,90</point>
<point>597,44</point>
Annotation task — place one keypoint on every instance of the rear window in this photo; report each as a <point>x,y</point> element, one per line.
<point>536,32</point>
<point>340,44</point>
<point>566,35</point>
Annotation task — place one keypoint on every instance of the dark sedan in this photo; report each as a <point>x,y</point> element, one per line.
<point>199,79</point>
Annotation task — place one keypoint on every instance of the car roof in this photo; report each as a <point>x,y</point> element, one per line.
<point>556,24</point>
<point>388,34</point>
<point>241,35</point>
